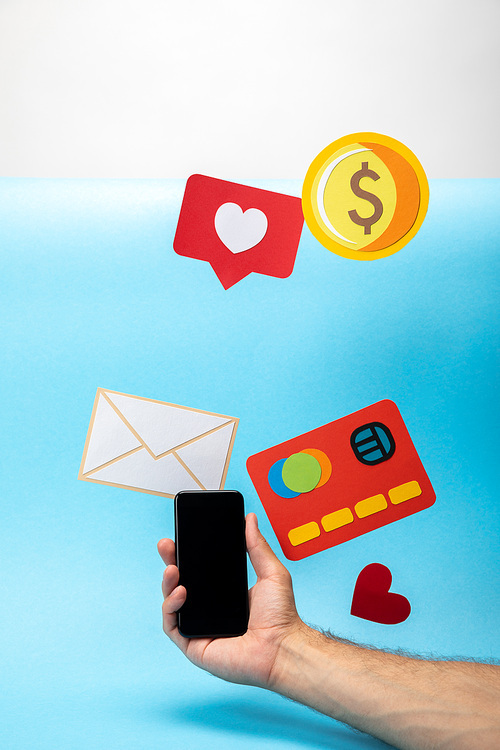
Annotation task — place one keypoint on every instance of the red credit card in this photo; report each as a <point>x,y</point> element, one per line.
<point>341,480</point>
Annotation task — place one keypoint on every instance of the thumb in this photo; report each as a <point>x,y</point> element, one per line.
<point>263,559</point>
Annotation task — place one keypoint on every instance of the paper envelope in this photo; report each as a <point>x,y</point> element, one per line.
<point>156,447</point>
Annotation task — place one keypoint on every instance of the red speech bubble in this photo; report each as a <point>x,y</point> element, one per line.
<point>238,229</point>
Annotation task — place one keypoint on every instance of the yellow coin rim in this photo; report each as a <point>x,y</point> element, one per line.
<point>318,164</point>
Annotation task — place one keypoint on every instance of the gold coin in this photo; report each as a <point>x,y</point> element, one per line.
<point>365,196</point>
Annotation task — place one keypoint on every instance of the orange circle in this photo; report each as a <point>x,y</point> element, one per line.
<point>407,201</point>
<point>324,462</point>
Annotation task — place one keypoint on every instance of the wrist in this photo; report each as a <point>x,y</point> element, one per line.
<point>328,674</point>
<point>300,654</point>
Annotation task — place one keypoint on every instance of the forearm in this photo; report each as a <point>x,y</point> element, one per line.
<point>410,703</point>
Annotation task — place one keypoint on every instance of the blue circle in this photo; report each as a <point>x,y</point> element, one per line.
<point>275,479</point>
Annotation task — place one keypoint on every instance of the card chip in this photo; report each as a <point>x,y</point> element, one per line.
<point>373,443</point>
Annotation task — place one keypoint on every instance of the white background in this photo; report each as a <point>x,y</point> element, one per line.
<point>156,88</point>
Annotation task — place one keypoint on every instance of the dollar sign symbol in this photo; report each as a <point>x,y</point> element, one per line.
<point>378,208</point>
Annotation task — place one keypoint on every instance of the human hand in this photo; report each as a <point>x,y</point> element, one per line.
<point>253,657</point>
<point>391,696</point>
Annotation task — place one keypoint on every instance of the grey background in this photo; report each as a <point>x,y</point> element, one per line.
<point>155,88</point>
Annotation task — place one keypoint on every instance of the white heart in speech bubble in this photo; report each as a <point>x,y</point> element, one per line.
<point>240,230</point>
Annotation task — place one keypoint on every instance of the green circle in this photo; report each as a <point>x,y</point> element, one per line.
<point>301,472</point>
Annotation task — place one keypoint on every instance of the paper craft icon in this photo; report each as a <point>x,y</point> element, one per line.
<point>372,599</point>
<point>365,196</point>
<point>238,229</point>
<point>341,480</point>
<point>153,446</point>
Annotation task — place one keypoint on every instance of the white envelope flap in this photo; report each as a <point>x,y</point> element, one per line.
<point>139,470</point>
<point>109,437</point>
<point>208,457</point>
<point>161,427</point>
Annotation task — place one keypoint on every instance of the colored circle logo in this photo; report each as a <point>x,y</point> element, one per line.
<point>299,473</point>
<point>365,196</point>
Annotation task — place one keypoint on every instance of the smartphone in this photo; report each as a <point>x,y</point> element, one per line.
<point>212,560</point>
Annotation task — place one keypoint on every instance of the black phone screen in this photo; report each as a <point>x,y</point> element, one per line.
<point>211,557</point>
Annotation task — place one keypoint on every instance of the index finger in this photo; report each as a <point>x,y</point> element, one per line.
<point>166,548</point>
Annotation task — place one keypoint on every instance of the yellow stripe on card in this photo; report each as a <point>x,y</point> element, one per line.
<point>303,533</point>
<point>337,519</point>
<point>404,492</point>
<point>370,505</point>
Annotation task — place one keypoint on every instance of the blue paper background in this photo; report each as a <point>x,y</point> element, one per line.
<point>94,295</point>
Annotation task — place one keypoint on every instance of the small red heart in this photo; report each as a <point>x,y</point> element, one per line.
<point>372,599</point>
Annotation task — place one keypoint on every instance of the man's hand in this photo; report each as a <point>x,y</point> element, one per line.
<point>410,703</point>
<point>251,658</point>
